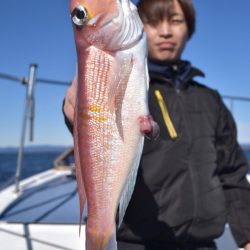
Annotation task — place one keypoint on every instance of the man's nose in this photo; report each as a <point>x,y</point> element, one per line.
<point>164,28</point>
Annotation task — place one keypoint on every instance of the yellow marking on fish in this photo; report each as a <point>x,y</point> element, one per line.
<point>100,118</point>
<point>95,108</point>
<point>84,116</point>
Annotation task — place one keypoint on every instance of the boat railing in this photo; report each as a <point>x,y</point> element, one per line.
<point>29,111</point>
<point>63,160</point>
<point>28,114</point>
<point>233,99</point>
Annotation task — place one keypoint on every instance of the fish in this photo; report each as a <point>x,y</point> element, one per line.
<point>111,112</point>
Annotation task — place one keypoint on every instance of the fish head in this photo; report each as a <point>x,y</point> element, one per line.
<point>88,18</point>
<point>103,23</point>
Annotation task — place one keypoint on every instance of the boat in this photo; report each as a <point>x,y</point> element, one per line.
<point>41,212</point>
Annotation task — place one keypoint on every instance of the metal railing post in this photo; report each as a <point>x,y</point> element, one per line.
<point>28,109</point>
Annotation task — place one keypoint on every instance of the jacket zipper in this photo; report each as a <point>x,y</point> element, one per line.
<point>169,124</point>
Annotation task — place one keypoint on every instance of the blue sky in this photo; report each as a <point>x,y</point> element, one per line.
<point>40,32</point>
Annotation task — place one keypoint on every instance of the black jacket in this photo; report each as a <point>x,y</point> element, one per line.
<point>190,183</point>
<point>192,178</point>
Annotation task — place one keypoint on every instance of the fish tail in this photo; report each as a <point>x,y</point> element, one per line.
<point>101,240</point>
<point>111,244</point>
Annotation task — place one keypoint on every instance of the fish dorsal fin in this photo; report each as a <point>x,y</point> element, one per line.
<point>130,184</point>
<point>118,81</point>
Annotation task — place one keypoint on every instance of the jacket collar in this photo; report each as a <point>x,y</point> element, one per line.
<point>177,74</point>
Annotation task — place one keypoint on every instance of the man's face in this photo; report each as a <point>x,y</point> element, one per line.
<point>167,38</point>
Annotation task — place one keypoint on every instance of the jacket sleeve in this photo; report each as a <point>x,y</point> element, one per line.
<point>233,168</point>
<point>67,122</point>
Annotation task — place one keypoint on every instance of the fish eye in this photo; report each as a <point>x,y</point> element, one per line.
<point>79,15</point>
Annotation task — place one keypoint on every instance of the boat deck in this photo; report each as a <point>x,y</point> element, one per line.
<point>49,202</point>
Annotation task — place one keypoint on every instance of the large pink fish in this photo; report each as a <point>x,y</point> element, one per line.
<point>111,111</point>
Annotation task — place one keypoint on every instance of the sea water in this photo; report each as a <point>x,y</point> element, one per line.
<point>33,163</point>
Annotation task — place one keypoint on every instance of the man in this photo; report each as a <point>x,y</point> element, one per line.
<point>192,178</point>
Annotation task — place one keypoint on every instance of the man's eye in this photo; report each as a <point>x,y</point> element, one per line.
<point>177,21</point>
<point>79,16</point>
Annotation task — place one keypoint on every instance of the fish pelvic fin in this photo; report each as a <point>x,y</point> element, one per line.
<point>79,175</point>
<point>118,79</point>
<point>130,184</point>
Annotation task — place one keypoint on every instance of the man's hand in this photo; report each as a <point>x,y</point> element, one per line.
<point>247,246</point>
<point>70,101</point>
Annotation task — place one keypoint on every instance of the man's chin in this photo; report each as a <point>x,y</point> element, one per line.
<point>165,57</point>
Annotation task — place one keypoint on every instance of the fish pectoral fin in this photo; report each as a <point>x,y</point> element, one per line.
<point>118,79</point>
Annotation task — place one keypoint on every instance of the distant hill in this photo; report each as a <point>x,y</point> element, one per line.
<point>35,149</point>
